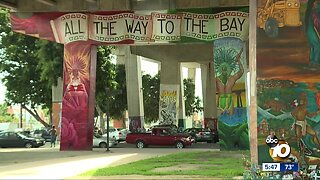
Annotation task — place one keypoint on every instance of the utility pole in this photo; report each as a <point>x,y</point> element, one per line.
<point>20,115</point>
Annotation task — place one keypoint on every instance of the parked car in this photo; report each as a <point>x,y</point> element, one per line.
<point>42,133</point>
<point>161,136</point>
<point>118,133</point>
<point>123,134</point>
<point>173,127</point>
<point>202,134</point>
<point>101,141</point>
<point>16,139</point>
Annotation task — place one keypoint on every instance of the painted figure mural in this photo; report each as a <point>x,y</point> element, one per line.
<point>288,82</point>
<point>229,59</point>
<point>228,70</point>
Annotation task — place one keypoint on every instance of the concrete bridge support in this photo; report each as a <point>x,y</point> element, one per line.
<point>209,95</point>
<point>134,90</point>
<point>171,80</point>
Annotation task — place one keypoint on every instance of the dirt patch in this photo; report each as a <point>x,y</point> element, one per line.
<point>182,167</point>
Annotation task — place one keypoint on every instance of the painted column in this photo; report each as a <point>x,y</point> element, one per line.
<point>230,67</point>
<point>79,73</point>
<point>209,96</point>
<point>170,88</point>
<point>134,90</point>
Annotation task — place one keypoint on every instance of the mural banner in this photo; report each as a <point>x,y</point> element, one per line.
<point>70,27</point>
<point>168,103</point>
<point>149,28</point>
<point>118,27</point>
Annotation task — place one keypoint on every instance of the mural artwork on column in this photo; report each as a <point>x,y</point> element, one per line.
<point>288,79</point>
<point>75,128</point>
<point>168,104</point>
<point>229,65</point>
<point>135,123</point>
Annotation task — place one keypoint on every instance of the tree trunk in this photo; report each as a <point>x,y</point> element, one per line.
<point>50,116</point>
<point>35,114</point>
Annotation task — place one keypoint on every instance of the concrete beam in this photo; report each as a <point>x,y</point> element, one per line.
<point>8,5</point>
<point>179,52</point>
<point>118,5</point>
<point>190,65</point>
<point>48,2</point>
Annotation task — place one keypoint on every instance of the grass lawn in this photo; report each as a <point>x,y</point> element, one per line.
<point>224,164</point>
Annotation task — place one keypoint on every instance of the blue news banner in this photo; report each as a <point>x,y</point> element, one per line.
<point>282,167</point>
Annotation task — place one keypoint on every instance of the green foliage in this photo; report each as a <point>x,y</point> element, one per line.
<point>111,87</point>
<point>19,66</point>
<point>151,90</point>
<point>151,93</point>
<point>119,101</point>
<point>192,103</point>
<point>50,56</point>
<point>5,116</point>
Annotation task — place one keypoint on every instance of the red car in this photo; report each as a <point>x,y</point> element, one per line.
<point>160,136</point>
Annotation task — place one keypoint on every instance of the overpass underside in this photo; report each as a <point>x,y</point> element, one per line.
<point>223,84</point>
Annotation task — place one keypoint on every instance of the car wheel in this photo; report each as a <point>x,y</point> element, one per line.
<point>179,145</point>
<point>140,144</point>
<point>28,145</point>
<point>103,145</point>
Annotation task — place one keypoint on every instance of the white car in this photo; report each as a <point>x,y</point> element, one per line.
<point>118,133</point>
<point>101,141</point>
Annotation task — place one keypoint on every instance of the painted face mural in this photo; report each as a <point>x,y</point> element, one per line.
<point>288,80</point>
<point>75,99</point>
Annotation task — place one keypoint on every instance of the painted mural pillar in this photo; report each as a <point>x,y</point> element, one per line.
<point>230,67</point>
<point>134,90</point>
<point>209,95</point>
<point>170,84</point>
<point>79,74</point>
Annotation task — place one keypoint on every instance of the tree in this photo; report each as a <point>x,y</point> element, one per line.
<point>151,93</point>
<point>30,67</point>
<point>110,85</point>
<point>21,72</point>
<point>5,116</point>
<point>192,102</point>
<point>151,90</point>
<point>118,104</point>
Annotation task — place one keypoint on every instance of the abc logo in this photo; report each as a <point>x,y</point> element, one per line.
<point>279,149</point>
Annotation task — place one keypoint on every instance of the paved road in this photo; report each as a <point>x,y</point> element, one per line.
<point>46,162</point>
